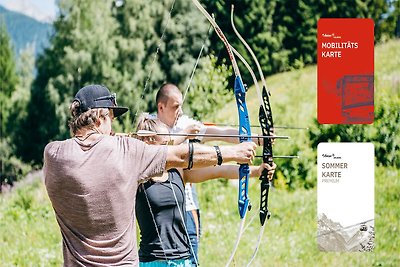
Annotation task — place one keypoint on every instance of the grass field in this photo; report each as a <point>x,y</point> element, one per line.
<point>29,234</point>
<point>290,235</point>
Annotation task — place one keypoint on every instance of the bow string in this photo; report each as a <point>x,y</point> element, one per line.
<point>267,128</point>
<point>244,126</point>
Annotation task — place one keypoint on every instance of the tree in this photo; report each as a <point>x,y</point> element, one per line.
<point>112,43</point>
<point>11,167</point>
<point>8,77</point>
<point>21,97</point>
<point>283,33</point>
<point>207,93</point>
<point>82,51</point>
<point>254,21</point>
<point>156,44</point>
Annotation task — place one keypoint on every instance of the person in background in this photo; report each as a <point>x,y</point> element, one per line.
<point>169,111</point>
<point>93,177</point>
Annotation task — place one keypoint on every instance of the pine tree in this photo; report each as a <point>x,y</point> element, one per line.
<point>11,167</point>
<point>8,77</point>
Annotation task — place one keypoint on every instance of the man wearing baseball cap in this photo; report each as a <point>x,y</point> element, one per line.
<point>92,178</point>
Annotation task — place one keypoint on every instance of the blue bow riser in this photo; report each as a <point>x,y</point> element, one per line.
<point>244,129</point>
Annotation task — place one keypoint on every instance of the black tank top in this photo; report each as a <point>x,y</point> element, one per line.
<point>174,243</point>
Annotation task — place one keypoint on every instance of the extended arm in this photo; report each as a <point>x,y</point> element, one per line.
<point>226,131</point>
<point>227,171</point>
<point>204,156</point>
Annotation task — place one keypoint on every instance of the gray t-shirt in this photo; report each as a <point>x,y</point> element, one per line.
<point>93,191</point>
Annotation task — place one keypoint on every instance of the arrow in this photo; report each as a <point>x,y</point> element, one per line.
<point>151,133</point>
<point>254,126</point>
<point>282,157</point>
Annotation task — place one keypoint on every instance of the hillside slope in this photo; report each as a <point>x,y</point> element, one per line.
<point>24,30</point>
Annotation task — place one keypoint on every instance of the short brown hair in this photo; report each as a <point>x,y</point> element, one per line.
<point>85,119</point>
<point>165,91</point>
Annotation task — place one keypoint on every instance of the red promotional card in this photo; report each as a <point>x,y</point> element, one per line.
<point>345,71</point>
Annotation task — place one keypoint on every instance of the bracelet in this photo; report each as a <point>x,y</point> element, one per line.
<point>191,149</point>
<point>219,155</point>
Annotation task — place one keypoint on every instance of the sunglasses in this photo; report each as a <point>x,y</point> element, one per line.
<point>112,98</point>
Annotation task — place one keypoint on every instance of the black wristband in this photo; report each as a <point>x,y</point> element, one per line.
<point>190,164</point>
<point>219,155</point>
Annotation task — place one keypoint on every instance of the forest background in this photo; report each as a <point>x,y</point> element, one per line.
<point>133,47</point>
